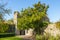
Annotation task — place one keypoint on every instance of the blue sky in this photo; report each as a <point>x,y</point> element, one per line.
<point>17,5</point>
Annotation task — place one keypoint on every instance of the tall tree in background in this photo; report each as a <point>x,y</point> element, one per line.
<point>3,10</point>
<point>35,17</point>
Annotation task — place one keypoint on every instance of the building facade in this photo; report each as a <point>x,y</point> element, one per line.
<point>20,32</point>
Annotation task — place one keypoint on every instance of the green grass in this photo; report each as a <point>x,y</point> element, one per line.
<point>11,38</point>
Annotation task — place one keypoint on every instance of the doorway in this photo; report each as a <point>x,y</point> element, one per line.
<point>22,32</point>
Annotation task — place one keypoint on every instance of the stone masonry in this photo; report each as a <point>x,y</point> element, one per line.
<point>52,30</point>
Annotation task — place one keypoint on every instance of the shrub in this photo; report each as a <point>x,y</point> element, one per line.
<point>47,37</point>
<point>6,34</point>
<point>3,27</point>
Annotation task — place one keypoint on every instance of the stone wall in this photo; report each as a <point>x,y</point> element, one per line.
<point>52,30</point>
<point>29,32</point>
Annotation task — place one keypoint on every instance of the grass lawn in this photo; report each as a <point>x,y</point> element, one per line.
<point>11,38</point>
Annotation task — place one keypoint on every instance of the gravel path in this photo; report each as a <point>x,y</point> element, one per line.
<point>25,37</point>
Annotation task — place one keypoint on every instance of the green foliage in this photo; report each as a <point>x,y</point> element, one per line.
<point>47,37</point>
<point>10,21</point>
<point>3,27</point>
<point>3,10</point>
<point>33,17</point>
<point>58,24</point>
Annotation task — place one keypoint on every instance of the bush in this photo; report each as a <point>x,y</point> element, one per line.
<point>47,37</point>
<point>58,24</point>
<point>6,34</point>
<point>41,37</point>
<point>3,27</point>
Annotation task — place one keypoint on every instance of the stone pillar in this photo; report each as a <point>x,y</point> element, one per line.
<point>30,32</point>
<point>15,21</point>
<point>26,32</point>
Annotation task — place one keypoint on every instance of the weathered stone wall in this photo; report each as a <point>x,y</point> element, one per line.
<point>29,32</point>
<point>52,30</point>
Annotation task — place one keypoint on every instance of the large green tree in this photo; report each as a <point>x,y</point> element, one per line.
<point>3,10</point>
<point>35,17</point>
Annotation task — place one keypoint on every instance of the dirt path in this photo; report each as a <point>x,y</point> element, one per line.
<point>25,37</point>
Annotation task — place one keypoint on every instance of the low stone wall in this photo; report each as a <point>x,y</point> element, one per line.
<point>52,30</point>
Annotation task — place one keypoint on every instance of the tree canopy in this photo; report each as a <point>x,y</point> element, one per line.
<point>35,17</point>
<point>3,10</point>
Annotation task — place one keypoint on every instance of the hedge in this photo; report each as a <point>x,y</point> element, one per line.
<point>6,34</point>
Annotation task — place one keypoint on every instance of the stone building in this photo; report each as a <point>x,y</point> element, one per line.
<point>52,30</point>
<point>20,32</point>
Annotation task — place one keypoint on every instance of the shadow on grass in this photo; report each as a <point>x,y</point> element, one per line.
<point>2,35</point>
